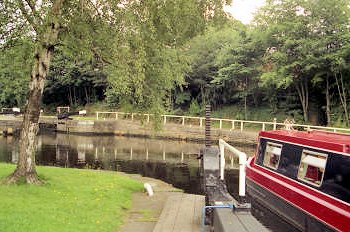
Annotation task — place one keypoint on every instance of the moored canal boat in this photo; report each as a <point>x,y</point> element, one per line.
<point>303,177</point>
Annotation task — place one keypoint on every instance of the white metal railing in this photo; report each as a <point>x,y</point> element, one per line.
<point>231,124</point>
<point>242,163</point>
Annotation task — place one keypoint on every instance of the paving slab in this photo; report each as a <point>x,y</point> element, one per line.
<point>181,213</point>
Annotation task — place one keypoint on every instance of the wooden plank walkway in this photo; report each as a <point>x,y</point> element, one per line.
<point>182,212</point>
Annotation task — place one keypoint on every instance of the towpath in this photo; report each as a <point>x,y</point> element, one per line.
<point>168,210</point>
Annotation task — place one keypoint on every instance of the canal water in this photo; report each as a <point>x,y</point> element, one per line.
<point>174,162</point>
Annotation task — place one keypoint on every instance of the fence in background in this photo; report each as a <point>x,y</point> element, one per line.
<point>220,123</point>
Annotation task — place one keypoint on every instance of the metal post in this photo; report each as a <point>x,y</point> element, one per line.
<point>116,116</point>
<point>146,153</point>
<point>132,116</point>
<point>164,119</point>
<point>200,122</point>
<point>242,163</point>
<point>263,127</point>
<point>274,124</point>
<point>183,121</point>
<point>220,124</point>
<point>207,126</point>
<point>147,118</point>
<point>222,161</point>
<point>233,124</point>
<point>241,126</point>
<point>96,115</point>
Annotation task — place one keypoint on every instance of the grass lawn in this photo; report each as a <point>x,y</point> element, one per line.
<point>71,200</point>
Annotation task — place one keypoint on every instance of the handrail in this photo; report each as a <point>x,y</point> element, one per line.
<point>242,163</point>
<point>233,122</point>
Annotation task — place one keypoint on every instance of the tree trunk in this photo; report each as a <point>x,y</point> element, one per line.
<point>75,97</point>
<point>70,96</point>
<point>342,96</point>
<point>86,95</point>
<point>328,102</point>
<point>28,139</point>
<point>303,92</point>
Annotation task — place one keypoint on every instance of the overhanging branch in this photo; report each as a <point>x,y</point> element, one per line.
<point>30,18</point>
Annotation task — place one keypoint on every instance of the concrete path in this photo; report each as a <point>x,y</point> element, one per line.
<point>168,210</point>
<point>182,212</point>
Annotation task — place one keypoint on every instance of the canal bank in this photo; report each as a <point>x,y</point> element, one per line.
<point>129,128</point>
<point>168,131</point>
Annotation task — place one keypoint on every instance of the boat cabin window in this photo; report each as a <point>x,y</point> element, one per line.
<point>312,166</point>
<point>272,155</point>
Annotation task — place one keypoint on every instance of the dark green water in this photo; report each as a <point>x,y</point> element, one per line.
<point>174,162</point>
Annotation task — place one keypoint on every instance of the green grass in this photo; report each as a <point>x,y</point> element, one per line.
<point>70,200</point>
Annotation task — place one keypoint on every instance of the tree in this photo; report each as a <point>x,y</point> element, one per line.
<point>87,28</point>
<point>238,67</point>
<point>329,27</point>
<point>151,61</point>
<point>287,25</point>
<point>207,53</point>
<point>14,74</point>
<point>46,26</point>
<point>74,83</point>
<point>306,43</point>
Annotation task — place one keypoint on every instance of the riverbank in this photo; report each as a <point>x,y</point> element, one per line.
<point>122,127</point>
<point>71,200</point>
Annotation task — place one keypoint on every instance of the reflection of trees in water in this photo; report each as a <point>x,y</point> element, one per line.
<point>170,161</point>
<point>8,149</point>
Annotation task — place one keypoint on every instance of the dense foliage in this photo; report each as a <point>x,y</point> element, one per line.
<point>293,58</point>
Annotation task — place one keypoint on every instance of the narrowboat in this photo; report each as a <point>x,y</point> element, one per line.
<point>303,177</point>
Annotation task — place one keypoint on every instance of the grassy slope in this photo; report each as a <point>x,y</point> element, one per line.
<point>71,200</point>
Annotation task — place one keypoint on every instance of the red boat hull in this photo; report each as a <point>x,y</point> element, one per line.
<point>304,207</point>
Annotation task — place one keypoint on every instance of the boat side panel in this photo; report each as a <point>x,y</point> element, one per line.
<point>334,215</point>
<point>337,174</point>
<point>294,216</point>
